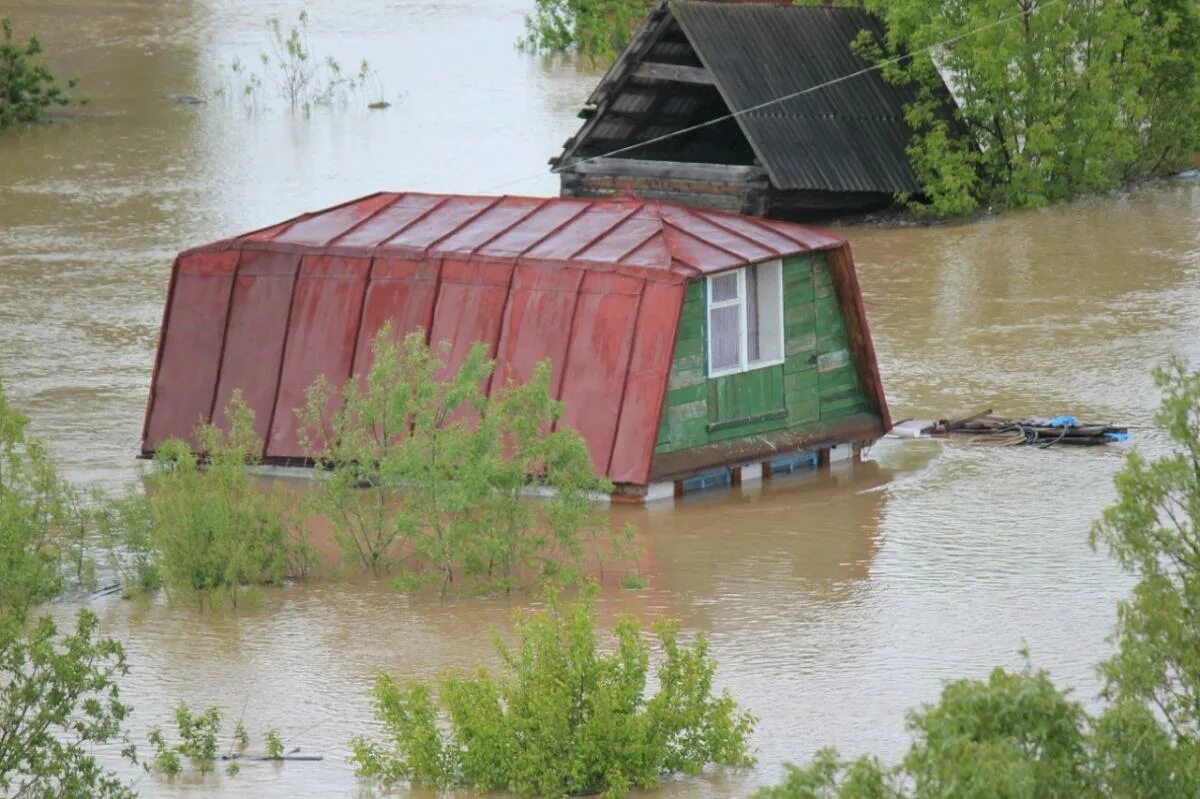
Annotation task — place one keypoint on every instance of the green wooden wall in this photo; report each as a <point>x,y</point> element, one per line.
<point>816,383</point>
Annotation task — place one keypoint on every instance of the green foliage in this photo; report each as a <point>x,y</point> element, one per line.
<point>427,476</point>
<point>830,777</point>
<point>1064,98</point>
<point>1153,531</point>
<point>27,88</point>
<point>58,700</point>
<point>197,735</point>
<point>206,530</point>
<point>598,29</point>
<point>562,718</point>
<point>35,513</point>
<point>58,693</point>
<point>274,744</point>
<point>301,78</point>
<point>1013,736</point>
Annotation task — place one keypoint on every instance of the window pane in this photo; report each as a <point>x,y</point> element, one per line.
<point>766,300</point>
<point>724,337</point>
<point>723,287</point>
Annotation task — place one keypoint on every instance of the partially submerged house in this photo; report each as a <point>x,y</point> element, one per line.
<point>836,144</point>
<point>686,344</point>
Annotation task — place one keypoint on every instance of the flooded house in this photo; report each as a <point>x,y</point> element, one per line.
<point>835,141</point>
<point>689,346</point>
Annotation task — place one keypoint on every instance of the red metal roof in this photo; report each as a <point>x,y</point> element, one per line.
<point>594,285</point>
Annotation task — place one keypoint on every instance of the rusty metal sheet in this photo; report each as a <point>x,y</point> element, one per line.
<point>254,334</point>
<point>493,222</point>
<point>622,240</point>
<point>390,221</point>
<point>580,233</point>
<point>809,238</point>
<point>696,253</point>
<point>470,307</point>
<point>535,227</point>
<point>646,385</point>
<point>321,335</point>
<point>402,292</point>
<point>597,364</point>
<point>746,248</point>
<point>749,227</point>
<point>439,223</point>
<point>189,349</point>
<point>322,228</point>
<point>537,320</point>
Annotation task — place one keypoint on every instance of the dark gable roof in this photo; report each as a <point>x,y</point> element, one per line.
<point>849,136</point>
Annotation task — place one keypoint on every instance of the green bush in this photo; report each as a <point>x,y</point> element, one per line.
<point>59,697</point>
<point>207,529</point>
<point>561,718</point>
<point>427,477</point>
<point>1057,100</point>
<point>1153,531</point>
<point>1012,736</point>
<point>598,29</point>
<point>27,89</point>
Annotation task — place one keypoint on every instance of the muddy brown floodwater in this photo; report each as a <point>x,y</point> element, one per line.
<point>833,602</point>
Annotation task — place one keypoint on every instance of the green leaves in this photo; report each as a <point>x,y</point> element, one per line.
<point>58,700</point>
<point>562,718</point>
<point>204,529</point>
<point>598,29</point>
<point>27,88</point>
<point>1153,531</point>
<point>428,477</point>
<point>1055,100</point>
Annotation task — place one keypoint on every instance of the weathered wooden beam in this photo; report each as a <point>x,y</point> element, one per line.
<point>673,72</point>
<point>667,170</point>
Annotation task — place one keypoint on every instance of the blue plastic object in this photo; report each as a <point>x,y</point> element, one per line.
<point>1063,421</point>
<point>1118,436</point>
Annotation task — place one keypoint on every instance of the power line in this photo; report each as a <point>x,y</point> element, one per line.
<point>784,98</point>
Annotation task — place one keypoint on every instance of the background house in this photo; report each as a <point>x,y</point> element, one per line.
<point>834,149</point>
<point>682,341</point>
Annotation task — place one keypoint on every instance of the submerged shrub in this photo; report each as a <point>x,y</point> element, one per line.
<point>59,689</point>
<point>561,718</point>
<point>210,531</point>
<point>427,475</point>
<point>1014,735</point>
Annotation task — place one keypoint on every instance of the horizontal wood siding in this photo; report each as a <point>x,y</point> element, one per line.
<point>817,383</point>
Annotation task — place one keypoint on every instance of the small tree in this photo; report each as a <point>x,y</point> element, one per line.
<point>212,532</point>
<point>58,693</point>
<point>562,719</point>
<point>429,469</point>
<point>1153,531</point>
<point>1012,736</point>
<point>27,88</point>
<point>1054,98</point>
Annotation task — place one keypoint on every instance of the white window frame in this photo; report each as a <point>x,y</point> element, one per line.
<point>744,365</point>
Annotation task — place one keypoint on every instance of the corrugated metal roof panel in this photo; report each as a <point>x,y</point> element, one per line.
<point>847,136</point>
<point>596,286</point>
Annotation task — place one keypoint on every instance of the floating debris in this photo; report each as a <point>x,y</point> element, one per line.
<point>987,428</point>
